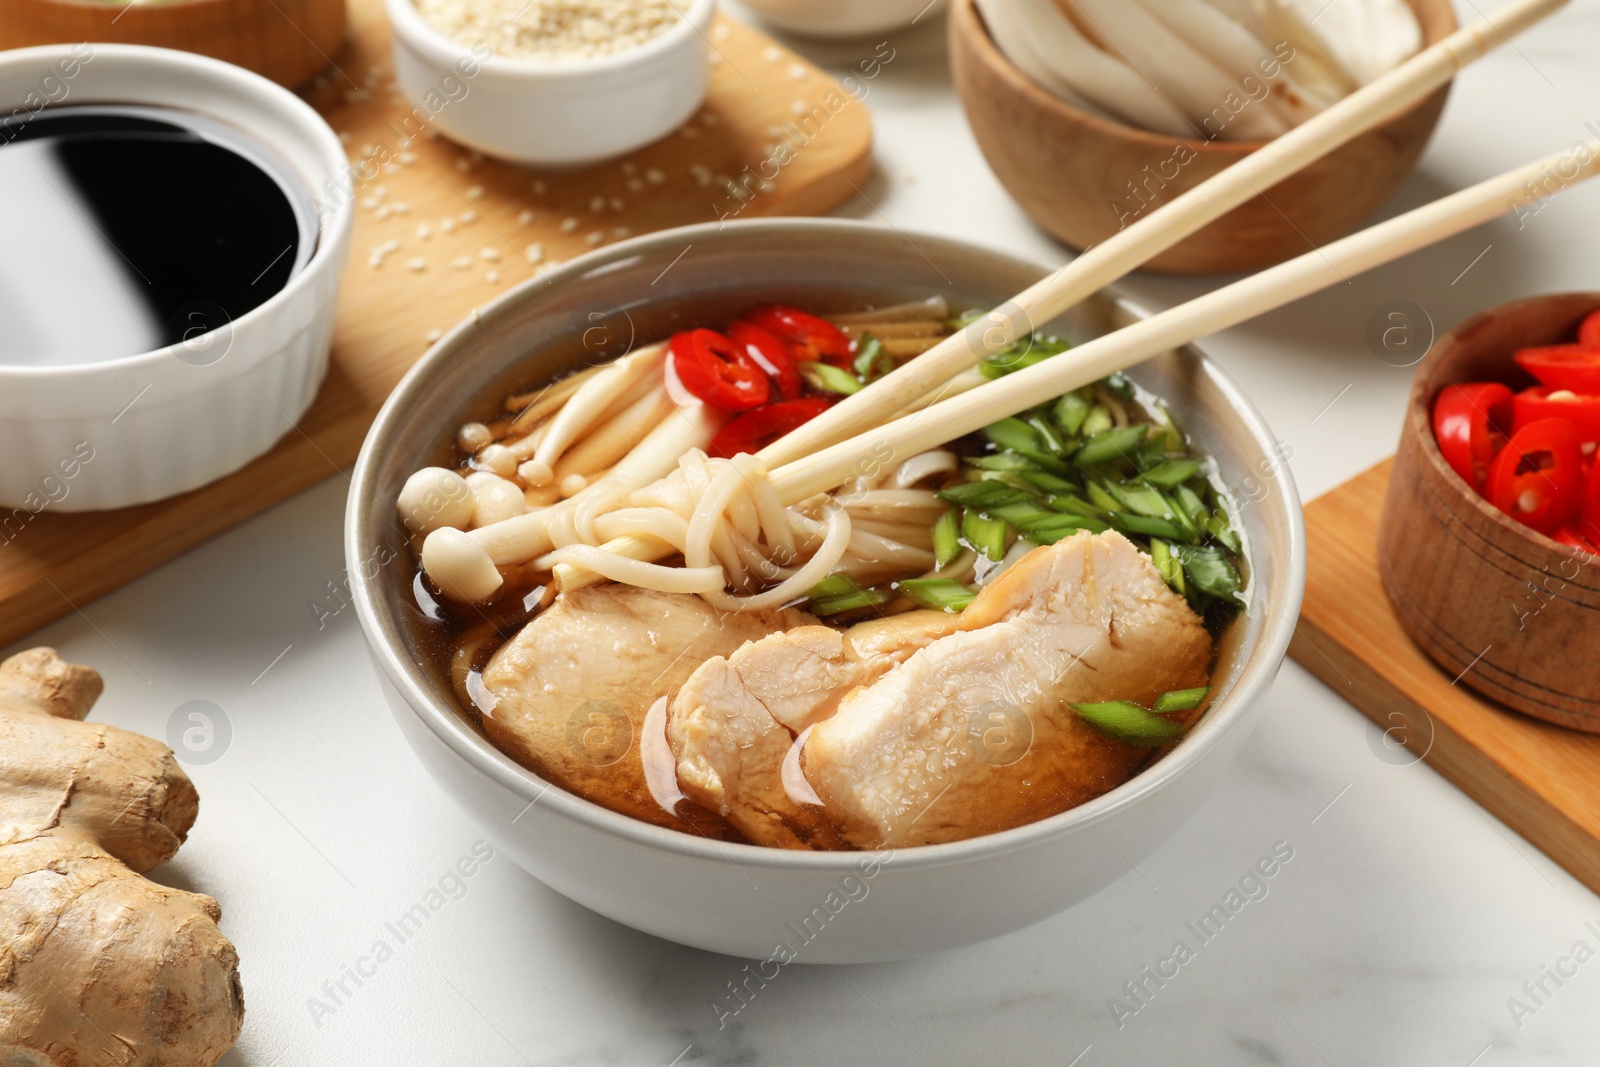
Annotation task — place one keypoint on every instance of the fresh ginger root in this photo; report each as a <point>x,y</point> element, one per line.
<point>98,966</point>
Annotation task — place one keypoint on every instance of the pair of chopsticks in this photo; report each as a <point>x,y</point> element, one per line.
<point>825,452</point>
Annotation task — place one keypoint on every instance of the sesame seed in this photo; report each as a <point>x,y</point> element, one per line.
<point>417,264</point>
<point>533,253</point>
<point>525,217</point>
<point>493,277</point>
<point>570,224</point>
<point>595,238</point>
<point>467,218</point>
<point>462,263</point>
<point>475,192</point>
<point>490,254</point>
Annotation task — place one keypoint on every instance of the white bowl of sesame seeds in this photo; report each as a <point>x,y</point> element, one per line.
<point>552,82</point>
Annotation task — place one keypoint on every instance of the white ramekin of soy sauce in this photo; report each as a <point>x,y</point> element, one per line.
<point>177,228</point>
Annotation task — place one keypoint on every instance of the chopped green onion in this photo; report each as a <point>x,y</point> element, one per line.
<point>1173,472</point>
<point>940,594</point>
<point>1047,434</point>
<point>1192,505</point>
<point>1125,721</point>
<point>987,536</point>
<point>1110,445</point>
<point>872,361</point>
<point>1141,500</point>
<point>983,494</point>
<point>1020,512</point>
<point>1180,700</point>
<point>1219,527</point>
<point>1048,533</point>
<point>832,586</point>
<point>829,379</point>
<point>1013,434</point>
<point>1071,411</point>
<point>1004,461</point>
<point>1098,421</point>
<point>1102,500</point>
<point>1050,483</point>
<point>947,538</point>
<point>1118,383</point>
<point>1144,524</point>
<point>1075,505</point>
<point>840,593</point>
<point>1209,571</point>
<point>1175,438</point>
<point>1167,564</point>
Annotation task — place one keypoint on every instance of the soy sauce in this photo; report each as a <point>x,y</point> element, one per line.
<point>128,229</point>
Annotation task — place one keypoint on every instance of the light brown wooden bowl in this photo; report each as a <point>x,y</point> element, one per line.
<point>288,41</point>
<point>1513,613</point>
<point>1073,172</point>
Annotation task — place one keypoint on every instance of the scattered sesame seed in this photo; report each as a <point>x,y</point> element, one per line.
<point>493,277</point>
<point>467,218</point>
<point>447,225</point>
<point>369,202</point>
<point>400,207</point>
<point>798,72</point>
<point>490,254</point>
<point>654,176</point>
<point>407,158</point>
<point>475,192</point>
<point>344,136</point>
<point>417,264</point>
<point>595,238</point>
<point>462,263</point>
<point>620,232</point>
<point>533,253</point>
<point>635,184</point>
<point>798,107</point>
<point>391,168</point>
<point>539,187</point>
<point>384,211</point>
<point>570,224</point>
<point>709,118</point>
<point>597,204</point>
<point>617,203</point>
<point>424,231</point>
<point>689,132</point>
<point>629,168</point>
<point>525,217</point>
<point>772,54</point>
<point>463,164</point>
<point>721,32</point>
<point>432,335</point>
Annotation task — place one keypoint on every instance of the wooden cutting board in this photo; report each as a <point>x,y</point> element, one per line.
<point>487,227</point>
<point>1541,780</point>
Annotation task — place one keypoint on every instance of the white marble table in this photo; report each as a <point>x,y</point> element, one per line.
<point>1396,934</point>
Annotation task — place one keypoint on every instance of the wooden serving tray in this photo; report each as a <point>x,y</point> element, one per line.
<point>1541,780</point>
<point>389,313</point>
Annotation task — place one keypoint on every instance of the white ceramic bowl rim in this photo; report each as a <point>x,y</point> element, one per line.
<point>447,52</point>
<point>448,725</point>
<point>331,228</point>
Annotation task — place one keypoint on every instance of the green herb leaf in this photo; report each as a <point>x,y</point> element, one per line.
<point>940,594</point>
<point>1180,700</point>
<point>1125,721</point>
<point>827,378</point>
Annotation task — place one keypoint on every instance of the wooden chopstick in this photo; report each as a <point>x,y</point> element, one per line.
<point>1218,310</point>
<point>1130,248</point>
<point>1272,288</point>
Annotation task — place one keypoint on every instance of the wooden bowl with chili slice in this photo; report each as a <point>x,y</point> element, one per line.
<point>1508,610</point>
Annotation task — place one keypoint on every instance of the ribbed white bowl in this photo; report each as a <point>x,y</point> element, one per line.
<point>128,431</point>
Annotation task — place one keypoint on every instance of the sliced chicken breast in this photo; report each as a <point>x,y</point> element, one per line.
<point>569,693</point>
<point>973,734</point>
<point>734,720</point>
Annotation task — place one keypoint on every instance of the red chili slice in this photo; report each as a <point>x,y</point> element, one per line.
<point>1575,367</point>
<point>810,339</point>
<point>1470,423</point>
<point>1573,539</point>
<point>1543,402</point>
<point>772,357</point>
<point>1538,477</point>
<point>1589,330</point>
<point>755,430</point>
<point>717,371</point>
<point>1589,511</point>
